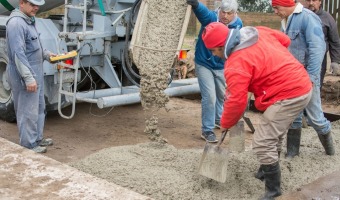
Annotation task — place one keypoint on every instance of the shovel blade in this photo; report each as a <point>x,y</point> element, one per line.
<point>214,163</point>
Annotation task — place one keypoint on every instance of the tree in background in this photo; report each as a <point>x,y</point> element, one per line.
<point>255,6</point>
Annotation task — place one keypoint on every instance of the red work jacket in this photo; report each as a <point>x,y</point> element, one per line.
<point>266,69</point>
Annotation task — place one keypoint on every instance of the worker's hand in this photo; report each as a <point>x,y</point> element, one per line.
<point>193,3</point>
<point>223,129</point>
<point>32,87</point>
<point>50,56</point>
<point>335,67</point>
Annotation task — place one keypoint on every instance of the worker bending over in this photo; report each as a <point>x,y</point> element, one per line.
<point>257,60</point>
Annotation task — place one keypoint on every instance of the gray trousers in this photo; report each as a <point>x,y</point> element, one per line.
<point>274,125</point>
<point>30,110</point>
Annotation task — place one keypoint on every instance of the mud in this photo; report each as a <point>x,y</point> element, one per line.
<point>331,90</point>
<point>163,172</point>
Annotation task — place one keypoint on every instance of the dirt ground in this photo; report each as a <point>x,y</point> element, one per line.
<point>111,144</point>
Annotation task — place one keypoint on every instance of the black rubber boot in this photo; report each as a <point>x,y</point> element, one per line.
<point>259,174</point>
<point>272,178</point>
<point>327,143</point>
<point>293,142</point>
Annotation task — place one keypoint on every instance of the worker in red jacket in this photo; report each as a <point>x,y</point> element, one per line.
<point>258,61</point>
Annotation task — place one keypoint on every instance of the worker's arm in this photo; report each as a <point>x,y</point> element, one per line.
<point>193,3</point>
<point>316,46</point>
<point>16,40</point>
<point>203,14</point>
<point>236,96</point>
<point>333,40</point>
<point>48,55</point>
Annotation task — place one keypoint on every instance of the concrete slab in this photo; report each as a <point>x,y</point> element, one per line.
<point>28,175</point>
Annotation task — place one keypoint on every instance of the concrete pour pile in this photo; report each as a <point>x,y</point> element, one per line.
<point>156,48</point>
<point>164,172</point>
<point>154,52</point>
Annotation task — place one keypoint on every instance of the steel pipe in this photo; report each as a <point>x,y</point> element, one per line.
<point>125,99</point>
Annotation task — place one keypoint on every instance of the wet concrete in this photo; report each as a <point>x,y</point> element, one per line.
<point>324,188</point>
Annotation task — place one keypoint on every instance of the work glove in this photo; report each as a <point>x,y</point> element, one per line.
<point>335,68</point>
<point>50,56</point>
<point>193,3</point>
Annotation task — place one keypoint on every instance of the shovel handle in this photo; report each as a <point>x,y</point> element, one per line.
<point>224,133</point>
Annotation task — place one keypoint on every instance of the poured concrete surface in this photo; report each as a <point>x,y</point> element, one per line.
<point>86,135</point>
<point>326,187</point>
<point>28,175</point>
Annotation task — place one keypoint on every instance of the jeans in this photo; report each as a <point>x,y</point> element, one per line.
<point>212,87</point>
<point>323,70</point>
<point>314,111</point>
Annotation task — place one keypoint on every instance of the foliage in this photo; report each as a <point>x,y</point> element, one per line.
<point>255,6</point>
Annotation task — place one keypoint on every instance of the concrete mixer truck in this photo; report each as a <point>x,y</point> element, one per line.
<point>100,70</point>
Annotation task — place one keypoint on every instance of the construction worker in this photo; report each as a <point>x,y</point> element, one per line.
<point>26,76</point>
<point>330,30</point>
<point>308,46</point>
<point>258,61</point>
<point>209,68</point>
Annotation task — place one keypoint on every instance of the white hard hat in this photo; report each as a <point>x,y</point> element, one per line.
<point>37,2</point>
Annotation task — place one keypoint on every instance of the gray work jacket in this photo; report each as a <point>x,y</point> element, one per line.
<point>330,31</point>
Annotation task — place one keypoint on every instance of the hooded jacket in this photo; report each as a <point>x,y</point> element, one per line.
<point>24,48</point>
<point>258,61</point>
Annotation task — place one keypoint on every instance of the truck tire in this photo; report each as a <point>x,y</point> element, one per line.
<point>7,112</point>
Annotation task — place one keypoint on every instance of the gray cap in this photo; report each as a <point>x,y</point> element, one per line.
<point>229,5</point>
<point>37,2</point>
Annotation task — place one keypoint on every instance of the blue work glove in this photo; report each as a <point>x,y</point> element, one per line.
<point>193,3</point>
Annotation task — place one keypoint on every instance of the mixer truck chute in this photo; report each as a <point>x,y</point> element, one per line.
<point>102,72</point>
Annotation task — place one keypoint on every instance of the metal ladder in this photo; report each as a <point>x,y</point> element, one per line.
<point>72,94</point>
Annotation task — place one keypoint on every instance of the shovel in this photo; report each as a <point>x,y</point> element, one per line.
<point>214,161</point>
<point>245,118</point>
<point>249,123</point>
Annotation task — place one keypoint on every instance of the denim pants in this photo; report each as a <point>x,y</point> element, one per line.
<point>314,111</point>
<point>212,87</point>
<point>323,70</point>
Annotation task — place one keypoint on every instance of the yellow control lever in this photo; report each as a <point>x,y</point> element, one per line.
<point>64,56</point>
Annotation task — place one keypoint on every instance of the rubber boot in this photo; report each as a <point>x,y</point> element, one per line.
<point>259,174</point>
<point>293,142</point>
<point>327,143</point>
<point>272,178</point>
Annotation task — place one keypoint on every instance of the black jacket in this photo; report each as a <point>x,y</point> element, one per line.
<point>330,30</point>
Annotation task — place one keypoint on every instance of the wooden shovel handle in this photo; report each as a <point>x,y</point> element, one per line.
<point>224,133</point>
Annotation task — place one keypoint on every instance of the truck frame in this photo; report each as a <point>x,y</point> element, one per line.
<point>102,72</point>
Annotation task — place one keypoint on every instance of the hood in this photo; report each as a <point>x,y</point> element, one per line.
<point>240,39</point>
<point>18,13</point>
